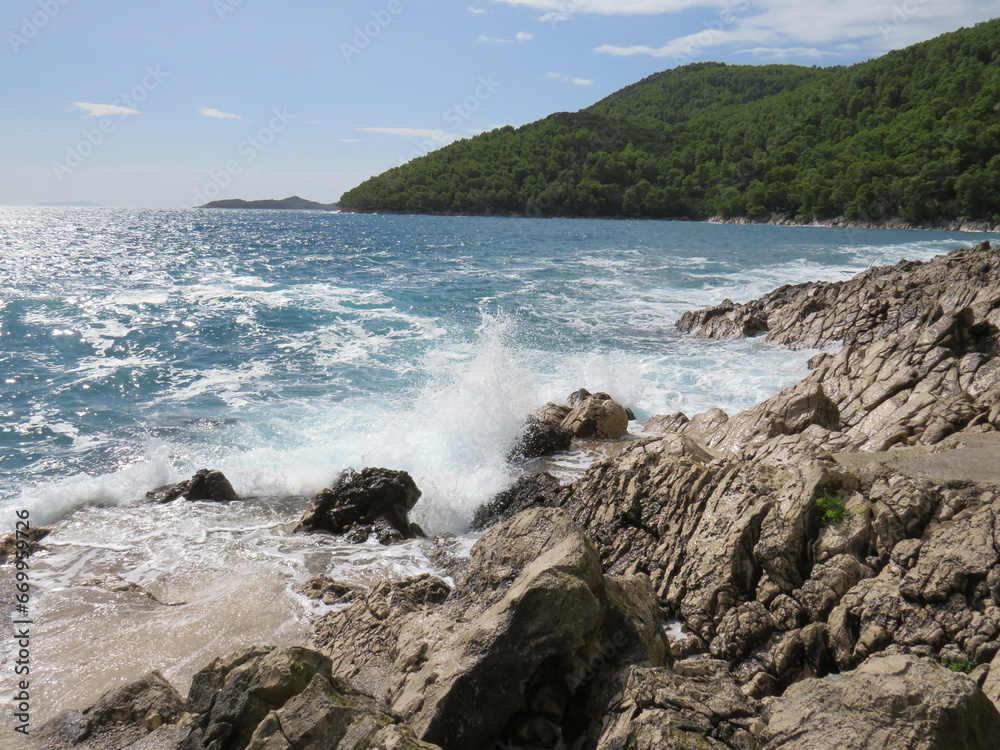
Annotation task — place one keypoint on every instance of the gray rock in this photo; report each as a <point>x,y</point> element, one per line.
<point>541,438</point>
<point>889,703</point>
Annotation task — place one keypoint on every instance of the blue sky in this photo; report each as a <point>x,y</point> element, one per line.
<point>150,103</point>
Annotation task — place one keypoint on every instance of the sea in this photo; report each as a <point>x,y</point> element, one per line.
<point>282,347</point>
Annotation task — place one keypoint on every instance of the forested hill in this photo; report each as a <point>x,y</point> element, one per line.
<point>913,135</point>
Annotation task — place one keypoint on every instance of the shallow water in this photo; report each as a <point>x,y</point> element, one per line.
<point>282,347</point>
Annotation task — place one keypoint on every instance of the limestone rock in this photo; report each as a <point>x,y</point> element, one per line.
<point>361,638</point>
<point>889,703</point>
<point>360,504</point>
<point>597,416</point>
<point>697,705</point>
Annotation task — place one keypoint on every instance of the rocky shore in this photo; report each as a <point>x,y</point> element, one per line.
<point>818,571</point>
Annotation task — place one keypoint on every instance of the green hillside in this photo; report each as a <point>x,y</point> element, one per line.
<point>914,134</point>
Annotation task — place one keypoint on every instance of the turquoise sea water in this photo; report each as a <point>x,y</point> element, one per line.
<point>137,346</point>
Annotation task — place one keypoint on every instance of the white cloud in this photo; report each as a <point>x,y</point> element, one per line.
<point>783,53</point>
<point>554,17</point>
<point>104,110</point>
<point>477,11</point>
<point>567,79</point>
<point>438,136</point>
<point>218,114</point>
<point>522,36</point>
<point>351,140</point>
<point>613,7</point>
<point>784,28</point>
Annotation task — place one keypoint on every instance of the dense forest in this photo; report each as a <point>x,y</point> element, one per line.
<point>913,135</point>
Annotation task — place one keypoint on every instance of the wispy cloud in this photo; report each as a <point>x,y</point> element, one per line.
<point>781,29</point>
<point>218,114</point>
<point>563,8</point>
<point>351,140</point>
<point>438,136</point>
<point>554,17</point>
<point>521,36</point>
<point>783,53</point>
<point>567,79</point>
<point>477,11</point>
<point>104,110</point>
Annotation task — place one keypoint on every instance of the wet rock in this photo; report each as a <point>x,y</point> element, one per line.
<point>597,416</point>
<point>28,542</point>
<point>361,504</point>
<point>328,590</point>
<point>537,490</point>
<point>541,438</point>
<point>206,484</point>
<point>119,718</point>
<point>892,703</point>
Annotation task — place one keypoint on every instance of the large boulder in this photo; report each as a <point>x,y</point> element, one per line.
<point>541,437</point>
<point>597,416</point>
<point>366,503</point>
<point>206,484</point>
<point>889,703</point>
<point>120,718</point>
<point>285,698</point>
<point>513,655</point>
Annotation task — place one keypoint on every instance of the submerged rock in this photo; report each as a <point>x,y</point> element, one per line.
<point>206,484</point>
<point>361,504</point>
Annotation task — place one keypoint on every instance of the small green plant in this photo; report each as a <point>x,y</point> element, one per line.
<point>965,666</point>
<point>831,509</point>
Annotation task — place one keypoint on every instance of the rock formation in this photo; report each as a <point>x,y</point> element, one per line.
<point>206,484</point>
<point>361,504</point>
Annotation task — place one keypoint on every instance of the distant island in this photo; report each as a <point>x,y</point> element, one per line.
<point>294,203</point>
<point>910,138</point>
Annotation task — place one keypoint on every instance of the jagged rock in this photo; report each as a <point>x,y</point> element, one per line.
<point>361,638</point>
<point>120,718</point>
<point>664,423</point>
<point>871,306</point>
<point>28,542</point>
<point>537,490</point>
<point>206,484</point>
<point>553,413</point>
<point>541,438</point>
<point>597,416</point>
<point>362,504</point>
<point>697,705</point>
<point>889,703</point>
<point>516,650</point>
<point>280,699</point>
<point>328,590</point>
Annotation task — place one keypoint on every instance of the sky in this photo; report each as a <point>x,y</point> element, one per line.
<point>149,103</point>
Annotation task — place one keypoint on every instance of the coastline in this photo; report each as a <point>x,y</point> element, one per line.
<point>714,521</point>
<point>943,225</point>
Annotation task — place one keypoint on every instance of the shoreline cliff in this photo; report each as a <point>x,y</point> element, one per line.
<point>831,555</point>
